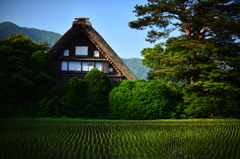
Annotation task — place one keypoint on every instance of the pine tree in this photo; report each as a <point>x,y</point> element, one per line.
<point>205,57</point>
<point>209,32</point>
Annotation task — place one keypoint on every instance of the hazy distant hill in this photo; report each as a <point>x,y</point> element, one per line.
<point>135,65</point>
<point>7,28</point>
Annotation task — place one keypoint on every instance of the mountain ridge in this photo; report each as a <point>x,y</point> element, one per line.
<point>7,28</point>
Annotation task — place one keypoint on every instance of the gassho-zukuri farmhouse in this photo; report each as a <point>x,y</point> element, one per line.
<point>80,49</point>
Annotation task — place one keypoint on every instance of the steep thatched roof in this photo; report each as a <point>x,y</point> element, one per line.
<point>83,25</point>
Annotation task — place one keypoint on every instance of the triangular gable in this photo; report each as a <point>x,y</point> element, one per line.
<point>85,26</point>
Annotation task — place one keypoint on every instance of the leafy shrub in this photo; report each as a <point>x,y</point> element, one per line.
<point>97,93</point>
<point>211,104</point>
<point>50,106</point>
<point>74,101</point>
<point>210,107</point>
<point>80,98</point>
<point>141,99</point>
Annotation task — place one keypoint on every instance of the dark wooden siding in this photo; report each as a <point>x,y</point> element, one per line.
<point>81,39</point>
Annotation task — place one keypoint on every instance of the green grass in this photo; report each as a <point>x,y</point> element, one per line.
<point>119,141</point>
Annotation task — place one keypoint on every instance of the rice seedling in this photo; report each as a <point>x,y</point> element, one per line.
<point>117,141</point>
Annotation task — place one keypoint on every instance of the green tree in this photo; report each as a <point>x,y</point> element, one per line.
<point>23,45</point>
<point>86,98</point>
<point>42,74</point>
<point>51,104</point>
<point>197,19</point>
<point>98,89</point>
<point>209,30</point>
<point>13,80</point>
<point>74,101</point>
<point>143,100</point>
<point>15,73</point>
<point>214,83</point>
<point>206,55</point>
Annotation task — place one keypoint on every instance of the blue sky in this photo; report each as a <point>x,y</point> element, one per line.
<point>108,17</point>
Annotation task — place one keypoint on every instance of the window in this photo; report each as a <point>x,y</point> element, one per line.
<point>84,66</point>
<point>90,66</point>
<point>64,66</point>
<point>74,66</point>
<point>66,53</point>
<point>110,69</point>
<point>87,66</point>
<point>96,53</point>
<point>99,65</point>
<point>71,66</point>
<point>81,50</point>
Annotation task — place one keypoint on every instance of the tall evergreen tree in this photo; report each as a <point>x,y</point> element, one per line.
<point>209,30</point>
<point>205,56</point>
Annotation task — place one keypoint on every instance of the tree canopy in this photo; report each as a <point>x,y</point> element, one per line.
<point>98,89</point>
<point>197,19</point>
<point>19,75</point>
<point>209,37</point>
<point>142,100</point>
<point>205,57</point>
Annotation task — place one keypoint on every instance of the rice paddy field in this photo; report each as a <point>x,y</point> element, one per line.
<point>119,140</point>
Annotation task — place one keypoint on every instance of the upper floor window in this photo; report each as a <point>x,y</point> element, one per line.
<point>96,53</point>
<point>81,50</point>
<point>110,69</point>
<point>66,53</point>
